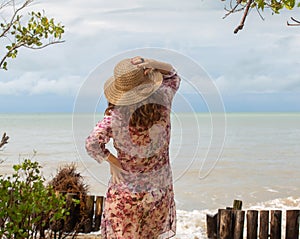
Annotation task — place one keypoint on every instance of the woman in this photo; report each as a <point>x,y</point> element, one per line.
<point>140,199</point>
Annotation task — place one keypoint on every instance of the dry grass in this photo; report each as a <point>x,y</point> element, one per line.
<point>68,180</point>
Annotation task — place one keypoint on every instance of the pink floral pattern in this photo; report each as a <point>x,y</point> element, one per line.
<point>142,206</point>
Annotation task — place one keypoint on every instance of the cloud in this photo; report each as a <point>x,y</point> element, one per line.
<point>32,83</point>
<point>259,84</point>
<point>262,58</point>
<point>271,67</point>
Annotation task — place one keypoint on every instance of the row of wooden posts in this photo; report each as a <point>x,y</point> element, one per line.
<point>92,210</point>
<point>229,223</point>
<point>226,224</point>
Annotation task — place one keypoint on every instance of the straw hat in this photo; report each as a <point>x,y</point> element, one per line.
<point>130,85</point>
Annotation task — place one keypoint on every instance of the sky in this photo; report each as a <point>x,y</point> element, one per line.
<point>256,70</point>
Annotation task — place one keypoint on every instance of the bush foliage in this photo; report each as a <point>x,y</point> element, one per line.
<point>27,206</point>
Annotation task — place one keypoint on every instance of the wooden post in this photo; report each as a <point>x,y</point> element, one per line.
<point>275,224</point>
<point>225,224</point>
<point>264,224</point>
<point>98,212</point>
<point>238,225</point>
<point>211,226</point>
<point>252,218</point>
<point>88,214</point>
<point>292,224</point>
<point>71,219</point>
<point>237,204</point>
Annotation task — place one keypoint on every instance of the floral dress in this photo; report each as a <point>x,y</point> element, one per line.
<point>142,205</point>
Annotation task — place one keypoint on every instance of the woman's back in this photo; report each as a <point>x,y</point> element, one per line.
<point>141,134</point>
<point>140,203</point>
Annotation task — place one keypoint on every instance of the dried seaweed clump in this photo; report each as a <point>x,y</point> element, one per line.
<point>68,180</point>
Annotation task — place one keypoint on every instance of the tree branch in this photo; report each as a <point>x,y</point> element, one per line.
<point>9,25</point>
<point>32,34</point>
<point>259,14</point>
<point>297,22</point>
<point>8,53</point>
<point>4,140</point>
<point>26,46</point>
<point>240,27</point>
<point>41,47</point>
<point>4,4</point>
<point>232,10</point>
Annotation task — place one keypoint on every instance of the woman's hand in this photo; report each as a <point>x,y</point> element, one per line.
<point>137,60</point>
<point>116,175</point>
<point>115,169</point>
<point>150,64</point>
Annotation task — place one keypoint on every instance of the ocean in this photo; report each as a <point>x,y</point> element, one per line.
<point>254,157</point>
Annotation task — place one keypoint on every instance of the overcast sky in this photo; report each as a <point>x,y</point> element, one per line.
<point>255,70</point>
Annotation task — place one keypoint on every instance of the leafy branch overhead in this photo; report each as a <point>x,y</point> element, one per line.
<point>245,6</point>
<point>34,31</point>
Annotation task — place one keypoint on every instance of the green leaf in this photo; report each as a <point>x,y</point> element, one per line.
<point>39,43</point>
<point>44,21</point>
<point>260,4</point>
<point>253,5</point>
<point>289,4</point>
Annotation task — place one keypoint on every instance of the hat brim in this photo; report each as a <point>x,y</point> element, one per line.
<point>136,94</point>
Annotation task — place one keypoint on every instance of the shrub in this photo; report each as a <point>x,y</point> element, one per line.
<point>27,206</point>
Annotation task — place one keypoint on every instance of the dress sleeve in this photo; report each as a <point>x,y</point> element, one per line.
<point>172,80</point>
<point>98,138</point>
<point>170,85</point>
